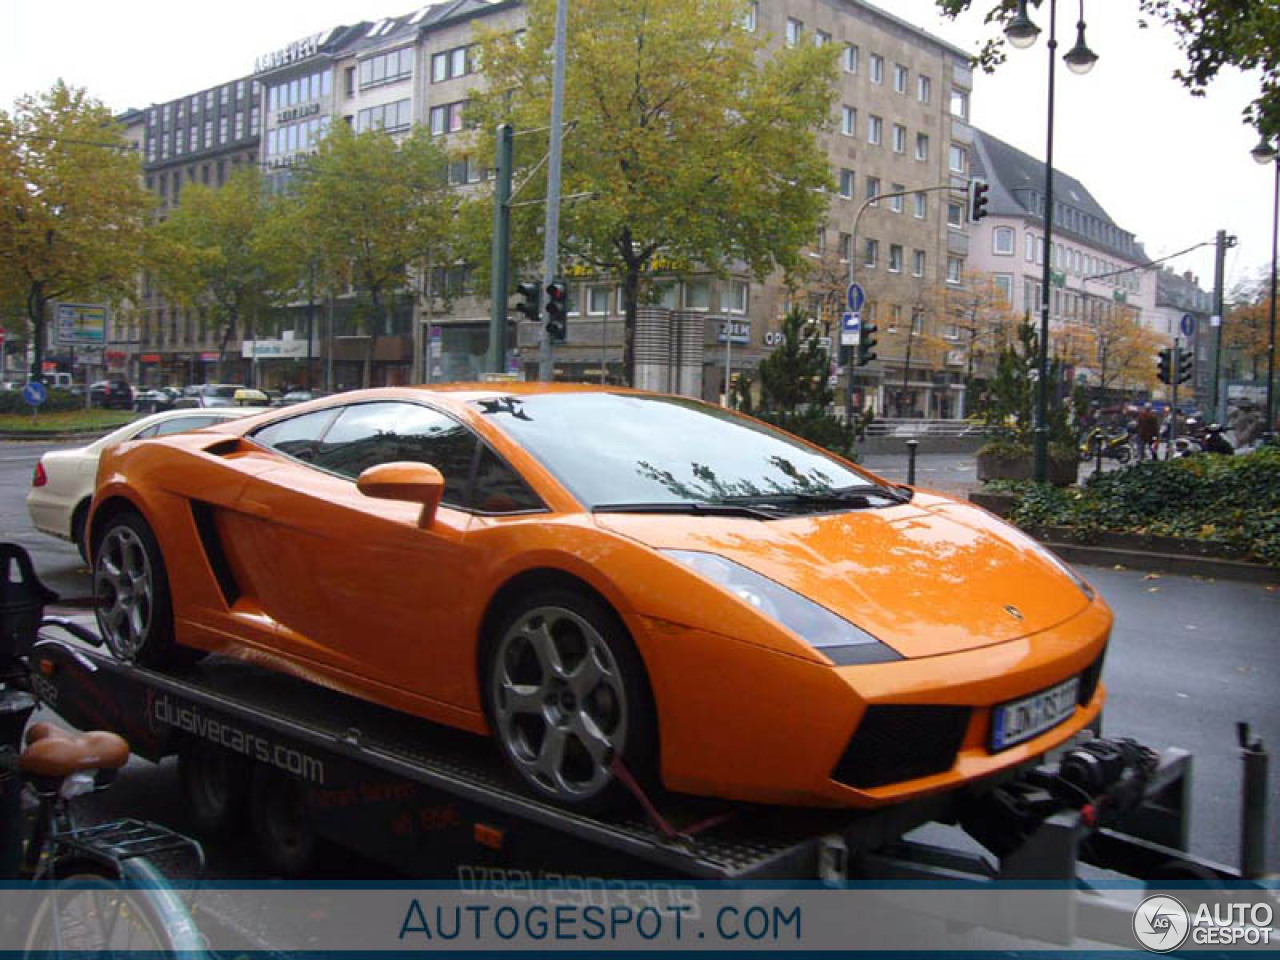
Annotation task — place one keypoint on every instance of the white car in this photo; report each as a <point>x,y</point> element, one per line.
<point>62,486</point>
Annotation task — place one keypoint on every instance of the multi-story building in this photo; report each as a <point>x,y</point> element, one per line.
<point>198,138</point>
<point>900,125</point>
<point>1097,267</point>
<point>1180,304</point>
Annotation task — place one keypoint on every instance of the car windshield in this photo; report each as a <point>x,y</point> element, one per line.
<point>622,450</point>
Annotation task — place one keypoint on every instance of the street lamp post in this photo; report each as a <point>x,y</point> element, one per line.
<point>1021,32</point>
<point>1266,153</point>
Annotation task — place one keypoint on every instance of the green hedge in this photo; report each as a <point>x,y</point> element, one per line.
<point>1233,501</point>
<point>57,401</point>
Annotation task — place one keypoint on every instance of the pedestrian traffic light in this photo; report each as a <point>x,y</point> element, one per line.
<point>867,344</point>
<point>530,294</point>
<point>1164,365</point>
<point>978,190</point>
<point>1184,365</point>
<point>557,308</point>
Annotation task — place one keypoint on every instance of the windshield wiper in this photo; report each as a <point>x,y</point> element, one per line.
<point>836,495</point>
<point>696,507</point>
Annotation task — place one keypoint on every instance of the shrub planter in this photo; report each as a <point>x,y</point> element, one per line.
<point>1000,466</point>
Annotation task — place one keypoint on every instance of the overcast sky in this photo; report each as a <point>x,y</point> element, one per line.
<point>1171,168</point>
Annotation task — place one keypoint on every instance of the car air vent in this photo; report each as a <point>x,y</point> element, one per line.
<point>1090,677</point>
<point>896,743</point>
<point>224,448</point>
<point>207,528</point>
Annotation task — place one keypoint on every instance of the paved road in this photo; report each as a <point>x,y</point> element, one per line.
<point>1188,658</point>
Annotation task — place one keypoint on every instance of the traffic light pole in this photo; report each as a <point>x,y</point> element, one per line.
<point>501,250</point>
<point>1175,372</point>
<point>551,231</point>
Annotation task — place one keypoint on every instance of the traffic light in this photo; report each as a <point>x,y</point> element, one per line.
<point>1184,366</point>
<point>1164,365</point>
<point>529,306</point>
<point>557,308</point>
<point>978,190</point>
<point>867,344</point>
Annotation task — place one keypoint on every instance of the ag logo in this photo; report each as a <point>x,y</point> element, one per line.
<point>1161,923</point>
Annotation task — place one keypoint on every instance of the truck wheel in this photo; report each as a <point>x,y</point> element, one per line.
<point>281,822</point>
<point>567,693</point>
<point>215,784</point>
<point>135,613</point>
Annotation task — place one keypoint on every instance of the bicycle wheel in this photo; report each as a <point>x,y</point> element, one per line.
<point>92,909</point>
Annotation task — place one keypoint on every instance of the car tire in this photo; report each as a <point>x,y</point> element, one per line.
<point>134,609</point>
<point>281,822</point>
<point>215,784</point>
<point>567,693</point>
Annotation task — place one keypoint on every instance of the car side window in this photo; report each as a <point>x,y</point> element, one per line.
<point>297,436</point>
<point>180,425</point>
<point>499,489</point>
<point>367,434</point>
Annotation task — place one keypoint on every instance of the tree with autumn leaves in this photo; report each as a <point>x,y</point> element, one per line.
<point>73,211</point>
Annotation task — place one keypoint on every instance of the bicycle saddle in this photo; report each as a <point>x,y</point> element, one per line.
<point>54,752</point>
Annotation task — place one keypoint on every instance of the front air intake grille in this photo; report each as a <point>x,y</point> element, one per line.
<point>895,743</point>
<point>1089,679</point>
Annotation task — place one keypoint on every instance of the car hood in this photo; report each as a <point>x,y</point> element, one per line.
<point>927,578</point>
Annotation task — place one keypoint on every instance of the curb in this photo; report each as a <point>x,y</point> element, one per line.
<point>18,436</point>
<point>1180,565</point>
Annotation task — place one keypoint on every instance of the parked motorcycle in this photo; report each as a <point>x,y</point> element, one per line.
<point>1115,446</point>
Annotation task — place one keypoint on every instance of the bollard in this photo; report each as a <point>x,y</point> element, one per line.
<point>1098,439</point>
<point>1253,812</point>
<point>911,462</point>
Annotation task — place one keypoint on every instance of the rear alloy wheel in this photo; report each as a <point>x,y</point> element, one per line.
<point>134,611</point>
<point>567,695</point>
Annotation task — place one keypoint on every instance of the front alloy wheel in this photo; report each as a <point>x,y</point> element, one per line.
<point>561,703</point>
<point>125,587</point>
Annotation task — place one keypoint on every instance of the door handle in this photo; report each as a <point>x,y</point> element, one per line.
<point>256,509</point>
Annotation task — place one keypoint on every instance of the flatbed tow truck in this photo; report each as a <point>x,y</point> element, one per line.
<point>306,763</point>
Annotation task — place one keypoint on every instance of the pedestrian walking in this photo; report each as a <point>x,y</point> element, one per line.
<point>1148,432</point>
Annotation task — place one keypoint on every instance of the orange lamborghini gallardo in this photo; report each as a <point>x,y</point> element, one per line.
<point>605,579</point>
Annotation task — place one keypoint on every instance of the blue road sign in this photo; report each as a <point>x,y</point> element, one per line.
<point>850,329</point>
<point>857,297</point>
<point>1188,325</point>
<point>35,393</point>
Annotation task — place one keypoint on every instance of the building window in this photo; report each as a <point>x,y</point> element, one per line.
<point>922,147</point>
<point>850,58</point>
<point>917,263</point>
<point>922,205</point>
<point>872,190</point>
<point>846,247</point>
<point>895,258</point>
<point>895,202</point>
<point>899,138</point>
<point>389,116</point>
<point>849,121</point>
<point>1030,246</point>
<point>846,183</point>
<point>957,160</point>
<point>877,69</point>
<point>924,88</point>
<point>733,297</point>
<point>875,129</point>
<point>959,103</point>
<point>821,38</point>
<point>446,118</point>
<point>955,269</point>
<point>386,68</point>
<point>697,294</point>
<point>871,253</point>
<point>795,29</point>
<point>1002,241</point>
<point>820,242</point>
<point>457,62</point>
<point>750,16</point>
<point>917,320</point>
<point>899,78</point>
<point>598,300</point>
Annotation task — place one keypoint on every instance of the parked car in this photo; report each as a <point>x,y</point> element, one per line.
<point>300,396</point>
<point>249,397</point>
<point>156,399</point>
<point>111,394</point>
<point>62,484</point>
<point>575,570</point>
<point>210,395</point>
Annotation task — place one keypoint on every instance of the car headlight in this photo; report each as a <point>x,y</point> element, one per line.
<point>817,626</point>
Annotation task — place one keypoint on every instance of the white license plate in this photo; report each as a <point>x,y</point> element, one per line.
<point>1023,719</point>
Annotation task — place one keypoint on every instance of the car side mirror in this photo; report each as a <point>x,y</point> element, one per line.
<point>408,481</point>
